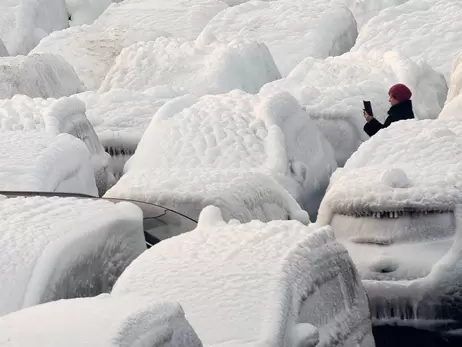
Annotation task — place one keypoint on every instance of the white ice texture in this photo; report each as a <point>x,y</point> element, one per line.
<point>103,321</point>
<point>292,29</point>
<point>38,76</point>
<point>332,90</point>
<point>56,248</point>
<point>41,162</point>
<point>85,11</point>
<point>193,67</point>
<point>275,284</point>
<point>192,137</point>
<point>452,109</point>
<point>55,116</point>
<point>3,50</point>
<point>23,23</point>
<point>420,29</point>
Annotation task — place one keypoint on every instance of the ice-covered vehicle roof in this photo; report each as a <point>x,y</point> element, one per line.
<point>38,75</point>
<point>55,248</point>
<point>36,161</point>
<point>195,68</point>
<point>292,30</point>
<point>103,321</point>
<point>274,284</point>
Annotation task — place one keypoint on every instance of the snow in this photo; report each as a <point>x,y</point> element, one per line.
<point>54,248</point>
<point>271,284</point>
<point>235,131</point>
<point>292,30</point>
<point>103,321</point>
<point>38,75</point>
<point>193,67</point>
<point>420,29</point>
<point>55,116</point>
<point>332,91</point>
<point>85,11</point>
<point>43,162</point>
<point>23,23</point>
<point>92,49</point>
<point>453,106</point>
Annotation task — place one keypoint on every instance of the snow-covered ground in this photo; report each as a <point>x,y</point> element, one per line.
<point>29,162</point>
<point>275,284</point>
<point>103,321</point>
<point>56,248</point>
<point>38,76</point>
<point>292,29</point>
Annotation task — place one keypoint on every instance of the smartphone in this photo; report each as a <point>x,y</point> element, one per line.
<point>368,108</point>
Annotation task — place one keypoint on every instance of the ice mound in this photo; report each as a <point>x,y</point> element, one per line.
<point>41,162</point>
<point>103,321</point>
<point>256,283</point>
<point>3,50</point>
<point>85,11</point>
<point>23,23</point>
<point>182,18</point>
<point>420,29</point>
<point>55,116</point>
<point>292,30</point>
<point>93,49</point>
<point>332,92</point>
<point>452,109</point>
<point>193,67</point>
<point>56,248</point>
<point>243,132</point>
<point>38,75</point>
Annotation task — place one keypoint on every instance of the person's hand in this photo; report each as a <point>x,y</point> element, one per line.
<point>367,116</point>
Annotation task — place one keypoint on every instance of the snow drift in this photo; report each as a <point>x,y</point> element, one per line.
<point>55,248</point>
<point>332,91</point>
<point>292,30</point>
<point>38,75</point>
<point>275,284</point>
<point>193,67</point>
<point>103,321</point>
<point>41,162</point>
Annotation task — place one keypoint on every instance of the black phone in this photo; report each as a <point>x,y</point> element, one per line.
<point>368,108</point>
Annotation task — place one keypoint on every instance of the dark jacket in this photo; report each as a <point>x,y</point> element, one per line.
<point>397,112</point>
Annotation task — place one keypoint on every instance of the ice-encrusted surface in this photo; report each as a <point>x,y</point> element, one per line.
<point>452,109</point>
<point>54,248</point>
<point>3,50</point>
<point>332,91</point>
<point>34,161</point>
<point>103,321</point>
<point>23,23</point>
<point>85,11</point>
<point>38,75</point>
<point>292,30</point>
<point>256,283</point>
<point>420,29</point>
<point>194,67</point>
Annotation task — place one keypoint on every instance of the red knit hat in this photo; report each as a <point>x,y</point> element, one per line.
<point>400,92</point>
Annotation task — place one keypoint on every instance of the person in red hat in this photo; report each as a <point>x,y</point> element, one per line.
<point>401,108</point>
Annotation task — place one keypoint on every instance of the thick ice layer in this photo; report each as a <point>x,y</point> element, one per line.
<point>420,29</point>
<point>55,248</point>
<point>23,23</point>
<point>92,49</point>
<point>193,67</point>
<point>65,115</point>
<point>292,30</point>
<point>103,321</point>
<point>332,90</point>
<point>453,106</point>
<point>182,18</point>
<point>275,284</point>
<point>33,161</point>
<point>270,135</point>
<point>38,75</point>
<point>85,11</point>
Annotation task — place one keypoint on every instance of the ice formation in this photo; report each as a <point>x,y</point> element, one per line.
<point>103,321</point>
<point>38,75</point>
<point>275,284</point>
<point>3,50</point>
<point>41,162</point>
<point>292,30</point>
<point>55,116</point>
<point>332,91</point>
<point>85,11</point>
<point>237,131</point>
<point>193,67</point>
<point>55,248</point>
<point>452,109</point>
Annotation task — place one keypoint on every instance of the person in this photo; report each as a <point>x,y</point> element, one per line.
<point>401,108</point>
